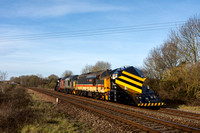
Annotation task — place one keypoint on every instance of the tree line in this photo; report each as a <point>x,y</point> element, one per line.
<point>173,68</point>
<point>35,81</point>
<point>50,81</point>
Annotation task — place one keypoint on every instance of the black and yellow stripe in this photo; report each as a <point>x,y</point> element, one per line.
<point>130,81</point>
<point>151,104</point>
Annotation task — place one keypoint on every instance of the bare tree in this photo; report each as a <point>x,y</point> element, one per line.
<point>87,69</point>
<point>67,73</point>
<point>161,59</point>
<point>170,54</point>
<point>101,65</point>
<point>153,64</point>
<point>3,76</point>
<point>188,36</point>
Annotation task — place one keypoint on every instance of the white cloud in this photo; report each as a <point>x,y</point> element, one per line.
<point>50,8</point>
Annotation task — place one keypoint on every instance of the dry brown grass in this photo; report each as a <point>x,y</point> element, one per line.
<point>14,109</point>
<point>24,112</point>
<point>195,109</point>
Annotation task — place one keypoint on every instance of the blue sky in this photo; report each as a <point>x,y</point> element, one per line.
<point>50,36</point>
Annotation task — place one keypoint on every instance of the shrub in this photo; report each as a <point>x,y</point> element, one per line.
<point>14,109</point>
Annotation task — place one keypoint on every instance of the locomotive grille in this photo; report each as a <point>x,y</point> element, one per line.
<point>151,104</point>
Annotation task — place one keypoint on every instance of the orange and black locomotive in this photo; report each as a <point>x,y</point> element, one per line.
<point>124,85</point>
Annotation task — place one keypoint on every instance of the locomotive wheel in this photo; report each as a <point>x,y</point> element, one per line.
<point>96,96</point>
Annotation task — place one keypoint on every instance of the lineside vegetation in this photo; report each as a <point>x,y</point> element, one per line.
<point>173,69</point>
<point>21,111</point>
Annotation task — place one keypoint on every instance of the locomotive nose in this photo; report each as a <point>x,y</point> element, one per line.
<point>149,99</point>
<point>130,82</point>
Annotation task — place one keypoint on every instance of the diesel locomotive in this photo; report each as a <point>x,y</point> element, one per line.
<point>124,85</point>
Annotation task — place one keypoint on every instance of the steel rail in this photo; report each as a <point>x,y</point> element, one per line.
<point>177,113</point>
<point>188,115</point>
<point>183,113</point>
<point>129,122</point>
<point>130,113</point>
<point>175,125</point>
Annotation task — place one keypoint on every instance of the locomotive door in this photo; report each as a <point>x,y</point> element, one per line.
<point>107,88</point>
<point>96,85</point>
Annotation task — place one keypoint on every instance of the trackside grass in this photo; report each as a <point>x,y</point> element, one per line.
<point>195,109</point>
<point>25,112</point>
<point>51,120</point>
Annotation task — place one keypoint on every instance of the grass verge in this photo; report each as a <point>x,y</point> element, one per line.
<point>195,109</point>
<point>25,112</point>
<point>51,120</point>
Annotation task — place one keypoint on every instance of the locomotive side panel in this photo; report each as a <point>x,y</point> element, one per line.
<point>90,85</point>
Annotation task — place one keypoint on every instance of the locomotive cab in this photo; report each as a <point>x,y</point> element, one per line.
<point>131,80</point>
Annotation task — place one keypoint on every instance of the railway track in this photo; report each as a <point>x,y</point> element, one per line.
<point>120,113</point>
<point>185,114</point>
<point>172,112</point>
<point>176,116</point>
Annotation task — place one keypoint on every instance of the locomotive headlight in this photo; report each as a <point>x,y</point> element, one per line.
<point>147,98</point>
<point>154,97</point>
<point>140,97</point>
<point>114,76</point>
<point>151,97</point>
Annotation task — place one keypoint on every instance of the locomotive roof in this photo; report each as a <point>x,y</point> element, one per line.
<point>129,69</point>
<point>92,74</point>
<point>69,77</point>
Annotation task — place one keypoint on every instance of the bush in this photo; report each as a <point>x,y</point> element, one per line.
<point>179,85</point>
<point>14,109</point>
